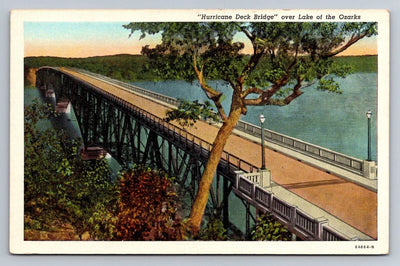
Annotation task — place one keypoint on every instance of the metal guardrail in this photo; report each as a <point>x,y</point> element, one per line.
<point>297,220</point>
<point>320,153</point>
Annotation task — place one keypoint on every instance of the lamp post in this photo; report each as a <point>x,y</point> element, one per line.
<point>369,114</point>
<point>262,120</point>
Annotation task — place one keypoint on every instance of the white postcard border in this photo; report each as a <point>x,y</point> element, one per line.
<point>19,246</point>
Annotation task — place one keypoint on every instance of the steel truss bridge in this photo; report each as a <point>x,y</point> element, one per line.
<point>133,135</point>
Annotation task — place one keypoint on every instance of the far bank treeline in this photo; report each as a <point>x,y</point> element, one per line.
<point>135,68</point>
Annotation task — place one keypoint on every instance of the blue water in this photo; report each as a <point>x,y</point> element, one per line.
<point>333,121</point>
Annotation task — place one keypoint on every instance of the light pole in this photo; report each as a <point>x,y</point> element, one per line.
<point>262,120</point>
<point>369,114</point>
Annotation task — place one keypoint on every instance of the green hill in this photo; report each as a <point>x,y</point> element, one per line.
<point>131,67</point>
<point>122,66</point>
<point>367,63</point>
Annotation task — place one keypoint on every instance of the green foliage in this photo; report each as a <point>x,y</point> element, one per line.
<point>214,231</point>
<point>267,228</point>
<point>359,63</point>
<point>122,67</point>
<point>329,84</point>
<point>282,52</point>
<point>189,112</point>
<point>173,58</point>
<point>148,207</point>
<point>59,185</point>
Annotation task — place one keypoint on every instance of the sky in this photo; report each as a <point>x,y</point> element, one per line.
<point>85,39</point>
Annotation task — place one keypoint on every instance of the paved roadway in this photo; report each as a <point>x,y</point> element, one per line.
<point>348,201</point>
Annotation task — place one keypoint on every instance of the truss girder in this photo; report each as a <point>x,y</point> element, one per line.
<point>132,137</point>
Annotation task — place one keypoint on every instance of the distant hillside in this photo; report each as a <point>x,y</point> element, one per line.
<point>367,63</point>
<point>131,67</point>
<point>122,67</point>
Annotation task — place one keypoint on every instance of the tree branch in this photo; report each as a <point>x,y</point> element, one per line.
<point>247,33</point>
<point>294,59</point>
<point>296,92</point>
<point>264,97</point>
<point>250,66</point>
<point>352,41</point>
<point>212,94</point>
<point>220,110</point>
<point>252,90</point>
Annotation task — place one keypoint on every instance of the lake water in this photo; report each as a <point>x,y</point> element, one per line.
<point>333,121</point>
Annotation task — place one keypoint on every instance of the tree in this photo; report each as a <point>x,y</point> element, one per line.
<point>286,58</point>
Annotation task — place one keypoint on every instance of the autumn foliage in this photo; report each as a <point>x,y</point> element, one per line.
<point>147,207</point>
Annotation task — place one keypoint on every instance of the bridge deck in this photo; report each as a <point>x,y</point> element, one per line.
<point>348,201</point>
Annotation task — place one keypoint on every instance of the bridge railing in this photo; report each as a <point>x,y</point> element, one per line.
<point>349,163</point>
<point>154,95</point>
<point>188,140</point>
<point>341,160</point>
<point>308,227</point>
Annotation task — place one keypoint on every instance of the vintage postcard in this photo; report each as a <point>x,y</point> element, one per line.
<point>199,132</point>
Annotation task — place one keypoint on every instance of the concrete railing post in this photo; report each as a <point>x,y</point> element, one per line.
<point>369,169</point>
<point>292,222</point>
<point>265,181</point>
<point>237,177</point>
<point>321,221</point>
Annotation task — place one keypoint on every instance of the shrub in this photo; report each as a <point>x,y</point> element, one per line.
<point>267,228</point>
<point>214,231</point>
<point>61,188</point>
<point>147,207</point>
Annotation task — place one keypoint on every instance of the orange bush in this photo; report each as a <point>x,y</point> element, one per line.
<point>148,207</point>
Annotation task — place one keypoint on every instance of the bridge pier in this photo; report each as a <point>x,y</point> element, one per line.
<point>248,233</point>
<point>225,202</point>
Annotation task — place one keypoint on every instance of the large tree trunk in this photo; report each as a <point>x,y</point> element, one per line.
<point>201,199</point>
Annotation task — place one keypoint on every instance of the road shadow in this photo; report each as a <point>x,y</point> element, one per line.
<point>314,183</point>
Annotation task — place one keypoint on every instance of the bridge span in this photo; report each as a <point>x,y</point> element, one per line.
<point>319,199</point>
